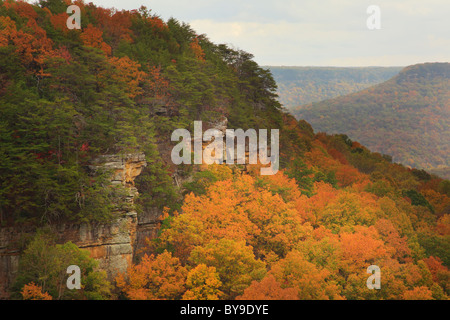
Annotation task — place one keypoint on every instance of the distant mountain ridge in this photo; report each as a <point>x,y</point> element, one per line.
<point>302,85</point>
<point>406,117</point>
<point>88,121</point>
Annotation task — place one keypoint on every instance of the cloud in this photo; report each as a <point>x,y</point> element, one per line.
<point>310,32</point>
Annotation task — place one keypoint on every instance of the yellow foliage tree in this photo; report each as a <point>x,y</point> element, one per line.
<point>203,283</point>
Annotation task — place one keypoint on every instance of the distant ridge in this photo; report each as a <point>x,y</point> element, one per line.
<point>302,85</point>
<point>406,117</point>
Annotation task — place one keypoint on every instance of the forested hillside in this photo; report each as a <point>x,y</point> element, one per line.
<point>406,117</point>
<point>303,85</point>
<point>122,84</point>
<point>117,85</point>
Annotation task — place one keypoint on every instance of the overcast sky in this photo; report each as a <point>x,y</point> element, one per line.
<point>316,32</point>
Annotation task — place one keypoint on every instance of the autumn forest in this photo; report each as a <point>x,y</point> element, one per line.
<point>116,89</point>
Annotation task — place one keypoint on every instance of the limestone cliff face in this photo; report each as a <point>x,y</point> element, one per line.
<point>9,259</point>
<point>112,244</point>
<point>125,167</point>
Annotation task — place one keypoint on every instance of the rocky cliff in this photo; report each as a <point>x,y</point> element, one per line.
<point>112,244</point>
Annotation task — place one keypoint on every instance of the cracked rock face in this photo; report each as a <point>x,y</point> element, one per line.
<point>111,244</point>
<point>125,168</point>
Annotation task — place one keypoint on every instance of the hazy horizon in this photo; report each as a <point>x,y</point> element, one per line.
<point>312,33</point>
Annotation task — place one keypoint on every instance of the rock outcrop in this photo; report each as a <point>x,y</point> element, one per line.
<point>112,244</point>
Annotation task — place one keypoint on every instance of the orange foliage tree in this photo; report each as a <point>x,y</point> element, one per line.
<point>418,293</point>
<point>93,37</point>
<point>128,73</point>
<point>156,85</point>
<point>31,43</point>
<point>8,31</point>
<point>238,209</point>
<point>361,249</point>
<point>393,239</point>
<point>197,49</point>
<point>310,282</point>
<point>154,278</point>
<point>32,291</point>
<point>22,8</point>
<point>115,25</point>
<point>440,273</point>
<point>59,22</point>
<point>268,289</point>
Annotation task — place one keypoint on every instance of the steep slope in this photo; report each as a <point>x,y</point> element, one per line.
<point>86,120</point>
<point>407,117</point>
<point>302,85</point>
<point>121,84</point>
